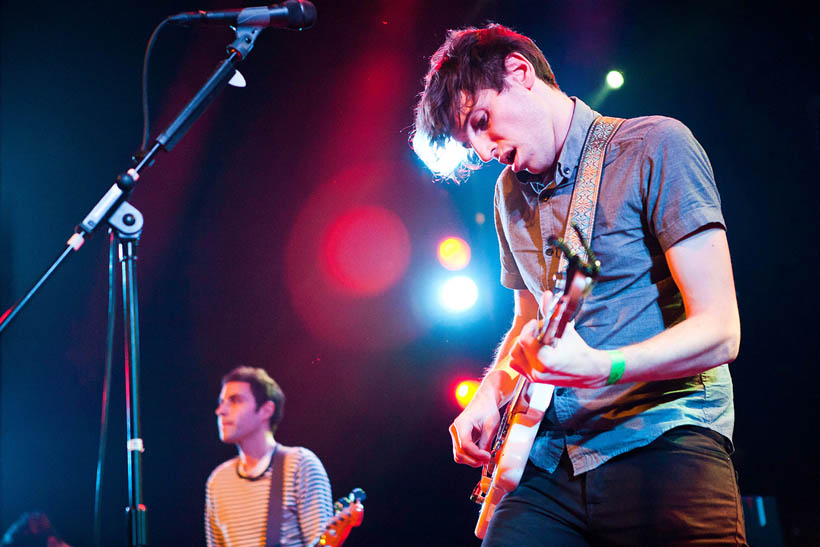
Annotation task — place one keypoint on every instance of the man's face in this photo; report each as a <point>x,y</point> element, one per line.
<point>237,415</point>
<point>508,127</point>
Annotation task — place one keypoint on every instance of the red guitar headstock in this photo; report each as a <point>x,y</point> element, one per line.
<point>349,513</point>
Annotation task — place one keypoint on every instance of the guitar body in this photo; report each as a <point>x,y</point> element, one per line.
<point>529,403</point>
<point>523,419</point>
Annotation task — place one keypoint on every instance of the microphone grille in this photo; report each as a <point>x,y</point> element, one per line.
<point>301,14</point>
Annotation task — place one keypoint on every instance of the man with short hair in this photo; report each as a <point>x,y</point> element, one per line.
<point>238,491</point>
<point>634,447</point>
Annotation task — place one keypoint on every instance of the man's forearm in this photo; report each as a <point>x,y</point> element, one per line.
<point>690,347</point>
<point>710,335</point>
<point>499,379</point>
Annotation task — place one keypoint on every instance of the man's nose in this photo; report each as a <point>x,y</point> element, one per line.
<point>219,411</point>
<point>485,149</point>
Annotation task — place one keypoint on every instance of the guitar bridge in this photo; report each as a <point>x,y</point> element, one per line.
<point>481,489</point>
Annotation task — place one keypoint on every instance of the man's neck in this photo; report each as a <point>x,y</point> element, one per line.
<point>254,448</point>
<point>563,108</point>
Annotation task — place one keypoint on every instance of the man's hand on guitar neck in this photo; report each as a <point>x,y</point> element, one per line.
<point>571,362</point>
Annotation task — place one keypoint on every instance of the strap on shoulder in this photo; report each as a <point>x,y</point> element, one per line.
<point>277,486</point>
<point>585,194</point>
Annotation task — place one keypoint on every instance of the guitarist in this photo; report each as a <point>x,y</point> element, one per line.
<point>634,447</point>
<point>238,492</point>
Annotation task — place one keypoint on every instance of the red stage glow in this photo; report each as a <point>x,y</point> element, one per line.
<point>366,250</point>
<point>347,256</point>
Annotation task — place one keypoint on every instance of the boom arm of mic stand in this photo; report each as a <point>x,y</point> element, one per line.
<point>238,50</point>
<point>121,190</point>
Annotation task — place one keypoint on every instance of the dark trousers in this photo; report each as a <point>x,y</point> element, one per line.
<point>680,489</point>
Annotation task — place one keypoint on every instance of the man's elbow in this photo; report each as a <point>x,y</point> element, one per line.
<point>731,341</point>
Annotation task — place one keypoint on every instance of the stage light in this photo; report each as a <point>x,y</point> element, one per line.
<point>614,79</point>
<point>465,391</point>
<point>454,253</point>
<point>441,160</point>
<point>458,293</point>
<point>365,250</point>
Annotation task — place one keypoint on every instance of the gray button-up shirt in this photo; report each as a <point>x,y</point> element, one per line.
<point>657,187</point>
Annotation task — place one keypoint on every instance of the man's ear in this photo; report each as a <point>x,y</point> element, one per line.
<point>519,70</point>
<point>268,407</point>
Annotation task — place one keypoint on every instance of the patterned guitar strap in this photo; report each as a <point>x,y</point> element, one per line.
<point>585,193</point>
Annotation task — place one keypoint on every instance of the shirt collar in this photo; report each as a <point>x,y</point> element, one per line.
<point>582,119</point>
<point>260,468</point>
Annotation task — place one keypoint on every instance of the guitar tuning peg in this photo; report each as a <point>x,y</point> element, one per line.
<point>338,507</point>
<point>344,502</point>
<point>358,494</point>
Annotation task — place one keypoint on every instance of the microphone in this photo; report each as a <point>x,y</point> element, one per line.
<point>293,14</point>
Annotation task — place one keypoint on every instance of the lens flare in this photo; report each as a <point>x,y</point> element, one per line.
<point>442,160</point>
<point>458,294</point>
<point>614,79</point>
<point>465,391</point>
<point>454,253</point>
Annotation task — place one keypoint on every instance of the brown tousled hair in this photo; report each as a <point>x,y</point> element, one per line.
<point>469,61</point>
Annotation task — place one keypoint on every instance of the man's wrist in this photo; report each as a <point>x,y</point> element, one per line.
<point>617,366</point>
<point>497,386</point>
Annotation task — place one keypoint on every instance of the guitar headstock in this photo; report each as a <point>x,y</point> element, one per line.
<point>349,513</point>
<point>589,268</point>
<point>570,290</point>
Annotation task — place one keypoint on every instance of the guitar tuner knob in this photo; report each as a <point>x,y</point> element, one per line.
<point>359,494</point>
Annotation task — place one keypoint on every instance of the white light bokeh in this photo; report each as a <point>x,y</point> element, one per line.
<point>441,160</point>
<point>614,79</point>
<point>458,293</point>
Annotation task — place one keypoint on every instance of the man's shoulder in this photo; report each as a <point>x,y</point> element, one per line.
<point>300,455</point>
<point>652,130</point>
<point>302,462</point>
<point>226,468</point>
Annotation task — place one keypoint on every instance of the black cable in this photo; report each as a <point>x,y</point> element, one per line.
<point>146,59</point>
<point>109,353</point>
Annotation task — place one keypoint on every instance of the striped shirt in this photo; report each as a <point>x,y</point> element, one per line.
<point>236,508</point>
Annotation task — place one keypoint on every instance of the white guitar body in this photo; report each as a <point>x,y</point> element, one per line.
<point>520,423</point>
<point>512,455</point>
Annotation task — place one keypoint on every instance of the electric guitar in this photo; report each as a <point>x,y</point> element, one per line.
<point>349,513</point>
<point>522,418</point>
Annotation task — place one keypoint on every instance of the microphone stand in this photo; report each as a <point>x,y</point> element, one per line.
<point>127,222</point>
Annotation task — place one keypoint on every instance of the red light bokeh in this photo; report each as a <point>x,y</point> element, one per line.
<point>366,250</point>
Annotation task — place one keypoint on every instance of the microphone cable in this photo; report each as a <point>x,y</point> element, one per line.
<point>146,59</point>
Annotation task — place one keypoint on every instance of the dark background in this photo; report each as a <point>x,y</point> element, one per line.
<point>235,265</point>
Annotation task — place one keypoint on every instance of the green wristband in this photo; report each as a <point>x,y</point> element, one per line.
<point>618,366</point>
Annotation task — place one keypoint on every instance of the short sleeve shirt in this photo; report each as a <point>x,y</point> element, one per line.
<point>657,188</point>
